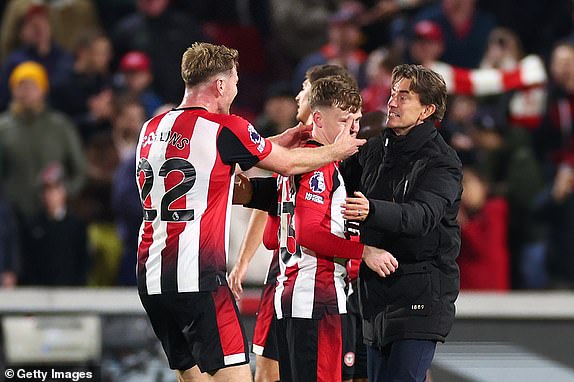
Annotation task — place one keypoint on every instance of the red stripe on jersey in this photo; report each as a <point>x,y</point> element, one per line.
<point>325,293</point>
<point>265,314</point>
<point>462,81</point>
<point>228,322</point>
<point>291,274</point>
<point>147,236</point>
<point>212,255</point>
<point>330,349</point>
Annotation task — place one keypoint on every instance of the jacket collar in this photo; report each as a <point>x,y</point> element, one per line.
<point>412,142</point>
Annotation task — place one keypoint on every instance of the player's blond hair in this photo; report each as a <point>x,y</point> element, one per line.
<point>203,60</point>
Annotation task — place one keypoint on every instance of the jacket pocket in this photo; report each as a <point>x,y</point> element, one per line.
<point>410,293</point>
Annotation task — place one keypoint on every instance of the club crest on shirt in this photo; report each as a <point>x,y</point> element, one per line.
<point>349,359</point>
<point>317,182</point>
<point>256,138</point>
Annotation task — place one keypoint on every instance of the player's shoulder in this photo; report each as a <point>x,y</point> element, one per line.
<point>233,121</point>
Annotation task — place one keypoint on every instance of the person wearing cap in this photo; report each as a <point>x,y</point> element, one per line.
<point>427,45</point>
<point>31,135</point>
<point>135,68</point>
<point>37,44</point>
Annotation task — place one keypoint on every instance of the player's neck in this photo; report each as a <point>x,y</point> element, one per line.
<point>318,135</point>
<point>199,98</point>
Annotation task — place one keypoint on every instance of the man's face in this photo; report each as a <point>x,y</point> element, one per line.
<point>333,120</point>
<point>404,108</point>
<point>303,110</point>
<point>28,94</point>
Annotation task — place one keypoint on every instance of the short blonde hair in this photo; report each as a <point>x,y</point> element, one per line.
<point>203,60</point>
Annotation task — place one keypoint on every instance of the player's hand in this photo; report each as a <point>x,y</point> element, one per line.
<point>242,189</point>
<point>235,278</point>
<point>356,208</point>
<point>295,136</point>
<point>346,142</point>
<point>380,261</point>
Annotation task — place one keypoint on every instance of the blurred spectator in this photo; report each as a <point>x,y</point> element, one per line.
<point>556,134</point>
<point>484,258</point>
<point>458,126</point>
<point>136,79</point>
<point>342,48</point>
<point>32,135</point>
<point>9,245</point>
<point>68,18</point>
<point>129,116</point>
<point>300,27</point>
<point>537,24</point>
<point>279,110</point>
<point>379,67</point>
<point>90,76</point>
<point>55,247</point>
<point>427,43</point>
<point>555,206</point>
<point>465,29</point>
<point>36,44</point>
<point>163,34</point>
<point>505,157</point>
<point>524,106</point>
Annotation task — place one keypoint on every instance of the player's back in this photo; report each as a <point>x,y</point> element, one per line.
<point>185,186</point>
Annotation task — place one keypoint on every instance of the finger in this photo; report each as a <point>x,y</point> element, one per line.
<point>381,271</point>
<point>395,262</point>
<point>359,194</point>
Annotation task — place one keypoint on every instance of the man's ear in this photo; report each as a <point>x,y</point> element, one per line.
<point>220,85</point>
<point>317,118</point>
<point>428,111</point>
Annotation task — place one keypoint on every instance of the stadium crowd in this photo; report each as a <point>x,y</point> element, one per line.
<point>79,78</point>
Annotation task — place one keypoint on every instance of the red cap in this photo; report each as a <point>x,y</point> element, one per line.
<point>135,61</point>
<point>36,9</point>
<point>428,30</point>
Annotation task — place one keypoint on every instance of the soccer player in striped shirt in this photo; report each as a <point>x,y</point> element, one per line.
<point>186,161</point>
<point>310,294</point>
<point>264,343</point>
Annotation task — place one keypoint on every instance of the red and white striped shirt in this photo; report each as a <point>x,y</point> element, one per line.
<point>313,250</point>
<point>185,170</point>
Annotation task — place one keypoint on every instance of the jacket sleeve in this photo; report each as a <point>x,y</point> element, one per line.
<point>429,198</point>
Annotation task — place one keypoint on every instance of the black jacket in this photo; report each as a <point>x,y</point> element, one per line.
<point>414,184</point>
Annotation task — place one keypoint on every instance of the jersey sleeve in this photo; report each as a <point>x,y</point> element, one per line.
<point>313,217</point>
<point>239,142</point>
<point>271,233</point>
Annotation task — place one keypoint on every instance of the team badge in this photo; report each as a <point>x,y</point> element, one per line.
<point>349,359</point>
<point>317,182</point>
<point>256,138</point>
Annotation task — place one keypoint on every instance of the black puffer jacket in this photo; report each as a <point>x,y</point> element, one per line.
<point>414,184</point>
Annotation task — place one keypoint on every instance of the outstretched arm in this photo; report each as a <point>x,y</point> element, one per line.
<point>298,160</point>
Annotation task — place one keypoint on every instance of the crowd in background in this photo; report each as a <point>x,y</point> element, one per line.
<point>78,78</point>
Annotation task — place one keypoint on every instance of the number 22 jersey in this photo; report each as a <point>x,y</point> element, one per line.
<point>185,170</point>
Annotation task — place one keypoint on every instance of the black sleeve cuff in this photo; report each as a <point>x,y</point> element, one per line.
<point>264,195</point>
